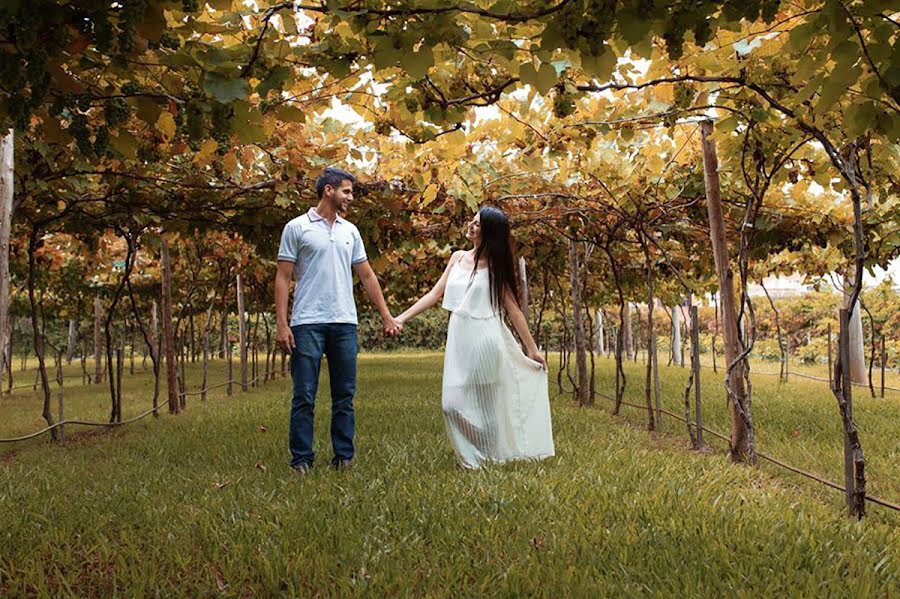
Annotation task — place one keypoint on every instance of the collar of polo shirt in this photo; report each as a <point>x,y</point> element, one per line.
<point>314,216</point>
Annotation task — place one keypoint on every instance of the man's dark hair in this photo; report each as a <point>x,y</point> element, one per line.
<point>334,177</point>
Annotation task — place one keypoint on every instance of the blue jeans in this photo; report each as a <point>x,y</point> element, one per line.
<point>338,342</point>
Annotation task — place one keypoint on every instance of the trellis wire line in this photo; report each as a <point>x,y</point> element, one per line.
<point>114,424</point>
<point>777,462</point>
<point>806,376</point>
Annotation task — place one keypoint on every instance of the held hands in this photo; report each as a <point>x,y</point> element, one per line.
<point>391,327</point>
<point>537,356</point>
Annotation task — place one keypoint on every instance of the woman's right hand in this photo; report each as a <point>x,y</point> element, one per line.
<point>536,356</point>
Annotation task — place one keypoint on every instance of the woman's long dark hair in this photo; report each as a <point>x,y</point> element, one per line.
<point>496,246</point>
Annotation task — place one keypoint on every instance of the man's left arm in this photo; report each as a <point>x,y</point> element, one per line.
<point>373,290</point>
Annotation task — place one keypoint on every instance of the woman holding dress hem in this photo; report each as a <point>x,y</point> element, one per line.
<point>494,397</point>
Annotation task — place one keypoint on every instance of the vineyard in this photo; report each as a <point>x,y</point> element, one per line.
<point>661,163</point>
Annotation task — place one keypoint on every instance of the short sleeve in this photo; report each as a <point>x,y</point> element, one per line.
<point>289,248</point>
<point>359,250</point>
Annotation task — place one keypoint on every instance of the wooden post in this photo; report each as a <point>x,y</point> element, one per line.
<point>168,331</point>
<point>98,365</point>
<point>524,296</point>
<point>844,340</point>
<point>883,364</point>
<point>242,328</point>
<point>7,186</point>
<point>740,441</point>
<point>695,365</point>
<point>830,359</point>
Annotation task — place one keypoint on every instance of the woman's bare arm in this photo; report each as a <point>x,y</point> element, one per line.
<point>434,295</point>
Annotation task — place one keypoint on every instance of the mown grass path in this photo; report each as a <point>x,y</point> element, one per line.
<point>204,504</point>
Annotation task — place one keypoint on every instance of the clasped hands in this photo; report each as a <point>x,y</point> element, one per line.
<point>391,327</point>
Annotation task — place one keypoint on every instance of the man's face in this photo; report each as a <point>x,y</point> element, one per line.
<point>340,196</point>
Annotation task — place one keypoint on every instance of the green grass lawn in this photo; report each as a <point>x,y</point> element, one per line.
<point>204,503</point>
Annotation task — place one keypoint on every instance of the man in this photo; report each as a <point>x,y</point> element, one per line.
<point>319,249</point>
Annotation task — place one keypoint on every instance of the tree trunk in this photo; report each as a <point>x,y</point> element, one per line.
<point>780,338</point>
<point>112,370</point>
<point>268,352</point>
<point>7,185</point>
<point>651,338</point>
<point>741,449</point>
<point>229,368</point>
<point>38,333</point>
<point>168,332</point>
<point>223,332</point>
<point>715,333</point>
<point>193,346</point>
<point>150,339</point>
<point>207,328</point>
<point>98,364</point>
<point>131,349</point>
<point>242,330</point>
<point>254,356</point>
<point>9,359</point>
<point>582,392</point>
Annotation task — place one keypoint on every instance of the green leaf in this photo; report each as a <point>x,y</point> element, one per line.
<point>223,89</point>
<point>800,36</point>
<point>247,123</point>
<point>276,80</point>
<point>600,67</point>
<point>290,114</point>
<point>125,143</point>
<point>417,63</point>
<point>860,118</point>
<point>546,78</point>
<point>633,28</point>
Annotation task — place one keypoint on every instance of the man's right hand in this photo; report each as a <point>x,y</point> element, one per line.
<point>284,337</point>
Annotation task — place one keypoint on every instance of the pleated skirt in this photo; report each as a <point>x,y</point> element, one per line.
<point>495,399</point>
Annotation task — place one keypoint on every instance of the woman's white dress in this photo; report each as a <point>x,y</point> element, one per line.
<point>495,400</point>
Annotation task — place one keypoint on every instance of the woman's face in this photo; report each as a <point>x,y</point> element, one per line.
<point>473,230</point>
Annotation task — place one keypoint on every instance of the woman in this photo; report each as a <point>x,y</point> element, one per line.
<point>494,397</point>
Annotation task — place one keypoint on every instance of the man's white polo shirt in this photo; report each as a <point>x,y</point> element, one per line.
<point>323,257</point>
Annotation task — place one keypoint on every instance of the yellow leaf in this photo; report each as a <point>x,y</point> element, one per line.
<point>429,195</point>
<point>165,124</point>
<point>206,149</point>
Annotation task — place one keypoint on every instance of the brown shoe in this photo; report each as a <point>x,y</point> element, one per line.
<point>301,469</point>
<point>342,464</point>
